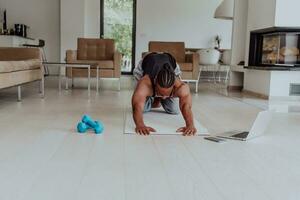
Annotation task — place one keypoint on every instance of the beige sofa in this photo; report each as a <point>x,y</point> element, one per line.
<point>19,66</point>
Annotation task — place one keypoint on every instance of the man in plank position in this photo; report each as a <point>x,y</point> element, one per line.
<point>159,84</point>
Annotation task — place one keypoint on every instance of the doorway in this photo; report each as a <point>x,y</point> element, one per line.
<point>118,22</point>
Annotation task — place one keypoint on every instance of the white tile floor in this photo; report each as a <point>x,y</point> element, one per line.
<point>42,157</point>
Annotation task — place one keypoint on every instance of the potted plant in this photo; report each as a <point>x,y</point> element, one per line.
<point>211,56</point>
<point>218,42</point>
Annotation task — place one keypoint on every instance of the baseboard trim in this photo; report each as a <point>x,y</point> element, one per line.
<point>256,94</point>
<point>235,88</point>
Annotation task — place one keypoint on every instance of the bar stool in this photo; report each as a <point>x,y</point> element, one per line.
<point>40,45</point>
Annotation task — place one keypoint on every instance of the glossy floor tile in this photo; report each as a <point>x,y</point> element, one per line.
<point>42,156</point>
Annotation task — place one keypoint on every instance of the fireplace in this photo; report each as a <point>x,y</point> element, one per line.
<point>275,48</point>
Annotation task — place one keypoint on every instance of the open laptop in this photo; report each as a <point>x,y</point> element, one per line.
<point>258,128</point>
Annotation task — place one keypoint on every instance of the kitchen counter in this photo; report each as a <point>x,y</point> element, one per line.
<point>15,41</point>
<point>29,38</point>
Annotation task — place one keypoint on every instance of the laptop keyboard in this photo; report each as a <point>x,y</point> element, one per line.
<point>241,135</point>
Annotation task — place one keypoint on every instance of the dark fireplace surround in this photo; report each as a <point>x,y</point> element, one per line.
<point>275,48</point>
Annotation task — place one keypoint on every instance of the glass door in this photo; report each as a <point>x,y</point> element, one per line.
<point>118,23</point>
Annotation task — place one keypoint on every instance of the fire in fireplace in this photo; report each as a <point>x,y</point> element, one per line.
<point>275,47</point>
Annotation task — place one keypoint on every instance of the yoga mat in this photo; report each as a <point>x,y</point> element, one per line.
<point>163,123</point>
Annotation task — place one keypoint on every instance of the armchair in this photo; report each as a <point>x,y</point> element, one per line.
<point>92,50</point>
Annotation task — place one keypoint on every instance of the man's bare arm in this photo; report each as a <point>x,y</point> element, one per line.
<point>138,103</point>
<point>185,104</point>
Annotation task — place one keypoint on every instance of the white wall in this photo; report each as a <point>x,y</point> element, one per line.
<point>190,21</point>
<point>280,82</point>
<point>270,13</point>
<point>239,31</point>
<point>265,14</point>
<point>169,20</point>
<point>238,41</point>
<point>42,16</point>
<point>72,24</point>
<point>79,18</point>
<point>287,13</point>
<point>92,19</point>
<point>261,14</point>
<point>257,81</point>
<point>275,84</point>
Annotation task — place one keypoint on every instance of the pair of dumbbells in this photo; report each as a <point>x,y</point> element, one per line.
<point>88,123</point>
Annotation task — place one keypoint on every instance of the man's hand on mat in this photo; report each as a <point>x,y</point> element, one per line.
<point>187,131</point>
<point>144,130</point>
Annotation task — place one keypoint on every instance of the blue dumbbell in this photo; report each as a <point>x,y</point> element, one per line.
<point>97,126</point>
<point>89,121</point>
<point>82,127</point>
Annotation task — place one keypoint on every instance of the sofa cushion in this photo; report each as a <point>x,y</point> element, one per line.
<point>19,53</point>
<point>13,66</point>
<point>16,78</point>
<point>106,64</point>
<point>26,65</point>
<point>186,66</point>
<point>95,49</point>
<point>187,75</point>
<point>5,66</point>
